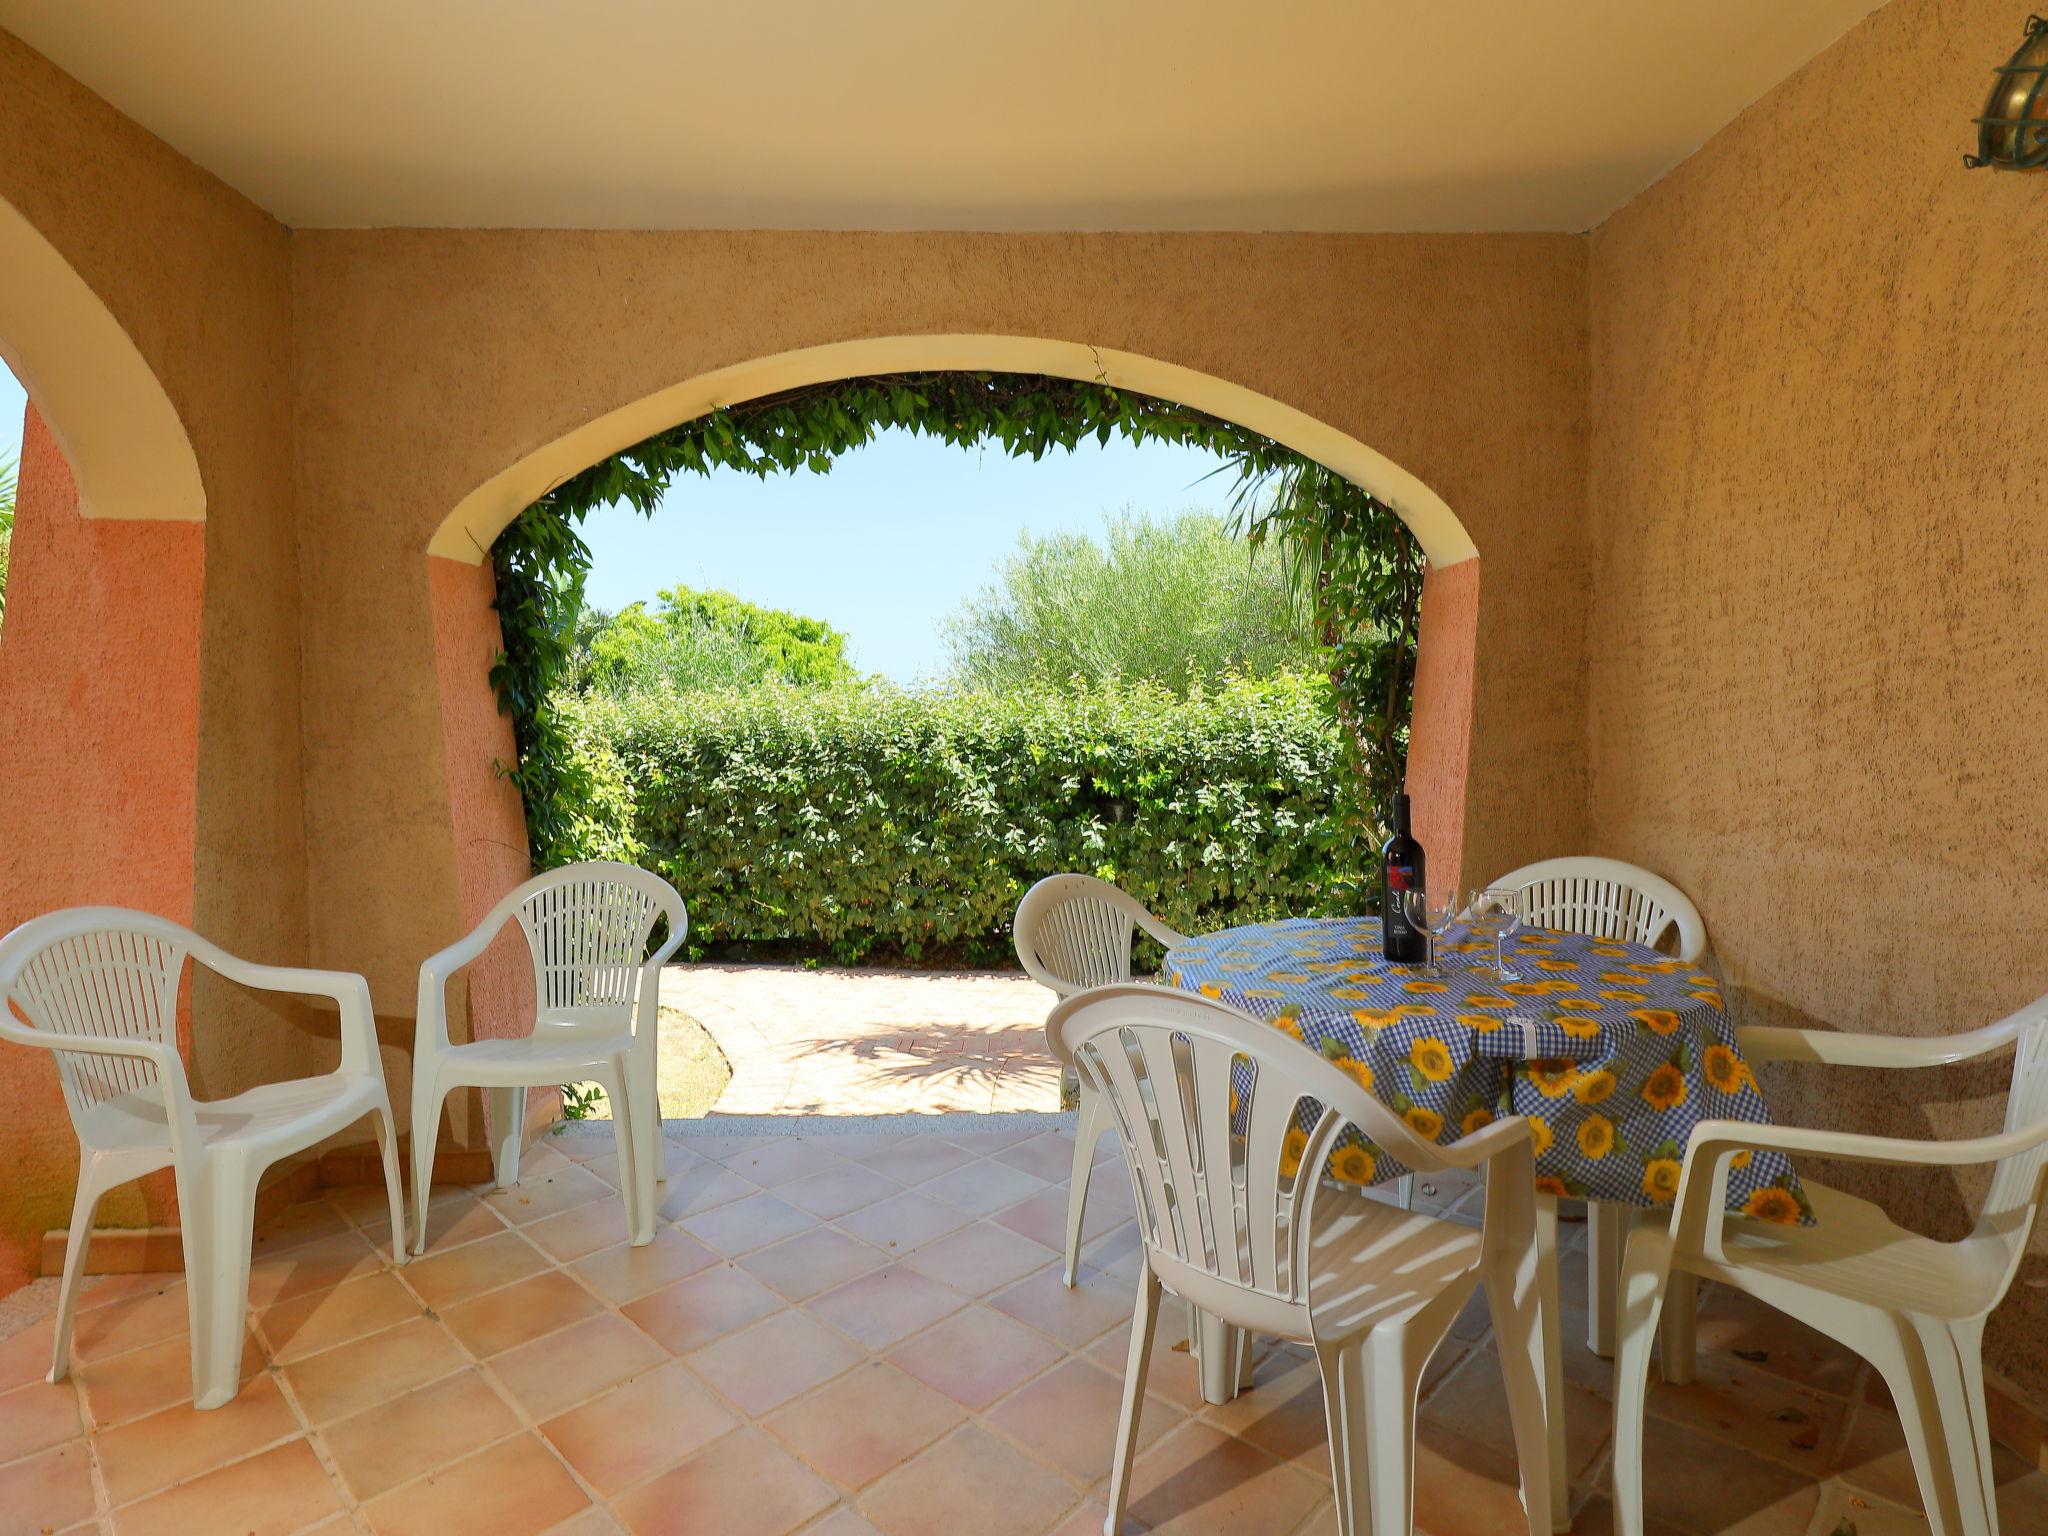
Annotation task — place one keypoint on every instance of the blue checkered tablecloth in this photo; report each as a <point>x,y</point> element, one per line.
<point>1613,1051</point>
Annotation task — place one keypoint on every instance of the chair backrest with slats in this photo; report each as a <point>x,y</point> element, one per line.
<point>1607,899</point>
<point>116,979</point>
<point>587,927</point>
<point>1225,1125</point>
<point>1074,932</point>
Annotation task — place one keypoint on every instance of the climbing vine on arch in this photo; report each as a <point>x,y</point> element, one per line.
<point>1355,563</point>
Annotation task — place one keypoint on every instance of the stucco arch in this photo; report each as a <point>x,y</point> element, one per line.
<point>467,533</point>
<point>118,431</point>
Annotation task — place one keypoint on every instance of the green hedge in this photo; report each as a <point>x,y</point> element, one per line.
<point>856,817</point>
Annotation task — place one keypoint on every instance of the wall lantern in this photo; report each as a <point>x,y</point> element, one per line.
<point>2012,135</point>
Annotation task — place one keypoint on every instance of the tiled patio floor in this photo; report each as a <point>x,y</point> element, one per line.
<point>871,1042</point>
<point>833,1336</point>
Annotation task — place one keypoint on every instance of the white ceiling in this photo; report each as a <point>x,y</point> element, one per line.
<point>936,114</point>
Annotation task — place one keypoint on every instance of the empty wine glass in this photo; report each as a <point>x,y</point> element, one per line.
<point>1498,914</point>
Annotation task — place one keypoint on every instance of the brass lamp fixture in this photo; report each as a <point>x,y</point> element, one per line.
<point>2012,135</point>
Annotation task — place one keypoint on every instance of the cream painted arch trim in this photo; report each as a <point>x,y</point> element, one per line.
<point>120,434</point>
<point>484,512</point>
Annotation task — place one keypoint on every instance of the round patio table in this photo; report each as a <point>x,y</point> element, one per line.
<point>1614,1051</point>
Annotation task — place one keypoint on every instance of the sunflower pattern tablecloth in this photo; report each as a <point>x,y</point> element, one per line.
<point>1614,1052</point>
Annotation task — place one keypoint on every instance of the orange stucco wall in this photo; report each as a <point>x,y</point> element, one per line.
<point>1440,727</point>
<point>1819,678</point>
<point>99,689</point>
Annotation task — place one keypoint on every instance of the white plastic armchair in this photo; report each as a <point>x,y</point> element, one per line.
<point>1074,932</point>
<point>1208,1104</point>
<point>597,1019</point>
<point>98,987</point>
<point>1608,899</point>
<point>1913,1307</point>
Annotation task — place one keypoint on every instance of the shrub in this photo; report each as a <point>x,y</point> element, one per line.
<point>855,817</point>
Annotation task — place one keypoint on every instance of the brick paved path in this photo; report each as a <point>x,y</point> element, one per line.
<point>871,1042</point>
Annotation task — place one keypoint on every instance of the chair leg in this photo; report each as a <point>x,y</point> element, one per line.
<point>1089,1124</point>
<point>1369,1390</point>
<point>506,1108</point>
<point>1934,1371</point>
<point>1644,1274</point>
<point>1606,1235</point>
<point>1679,1330</point>
<point>1514,1296</point>
<point>218,1236</point>
<point>426,1130</point>
<point>1144,1316</point>
<point>1220,1350</point>
<point>636,1188</point>
<point>84,1206</point>
<point>1551,1332</point>
<point>387,1149</point>
<point>1404,1191</point>
<point>643,1085</point>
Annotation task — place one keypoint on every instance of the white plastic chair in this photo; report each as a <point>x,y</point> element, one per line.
<point>1235,1220</point>
<point>98,987</point>
<point>597,1019</point>
<point>1074,932</point>
<point>1911,1306</point>
<point>1610,899</point>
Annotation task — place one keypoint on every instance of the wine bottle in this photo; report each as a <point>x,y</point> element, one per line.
<point>1403,887</point>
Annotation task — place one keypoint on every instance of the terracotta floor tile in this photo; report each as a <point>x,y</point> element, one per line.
<point>344,1381</point>
<point>454,1216</point>
<point>837,1190</point>
<point>543,1192</point>
<point>1751,1407</point>
<point>982,1188</point>
<point>1049,1157</point>
<point>593,1521</point>
<point>456,1274</point>
<point>984,1143</point>
<point>979,1258</point>
<point>295,1225</point>
<point>598,1224</point>
<point>1198,1480</point>
<point>25,1356</point>
<point>762,1367</point>
<point>1597,1519</point>
<point>399,1440</point>
<point>553,1374</point>
<point>707,1306</point>
<point>306,1325</point>
<point>1043,1217</point>
<point>514,1488</point>
<point>178,1443</point>
<point>625,1273</point>
<point>37,1416</point>
<point>46,1492</point>
<point>1069,1415</point>
<point>845,1522</point>
<point>1076,1317</point>
<point>1700,1484</point>
<point>519,1313</point>
<point>743,1485</point>
<point>975,1356</point>
<point>705,1187</point>
<point>886,1305</point>
<point>913,1159</point>
<point>280,1490</point>
<point>1473,1400</point>
<point>746,1224</point>
<point>1282,1414</point>
<point>101,1290</point>
<point>865,1423</point>
<point>1874,1459</point>
<point>130,1323</point>
<point>1730,1321</point>
<point>904,1221</point>
<point>144,1380</point>
<point>315,1266</point>
<point>783,1160</point>
<point>811,1262</point>
<point>969,1481</point>
<point>635,1430</point>
<point>1173,1375</point>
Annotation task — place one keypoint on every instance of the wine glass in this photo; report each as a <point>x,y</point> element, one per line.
<point>1499,915</point>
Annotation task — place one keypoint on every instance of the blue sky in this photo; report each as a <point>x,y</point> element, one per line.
<point>890,541</point>
<point>883,547</point>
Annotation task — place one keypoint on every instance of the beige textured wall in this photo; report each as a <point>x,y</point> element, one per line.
<point>198,279</point>
<point>1819,625</point>
<point>427,362</point>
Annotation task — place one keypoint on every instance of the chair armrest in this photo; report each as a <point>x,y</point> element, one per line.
<point>431,1028</point>
<point>1836,1049</point>
<point>170,1069</point>
<point>349,992</point>
<point>1167,938</point>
